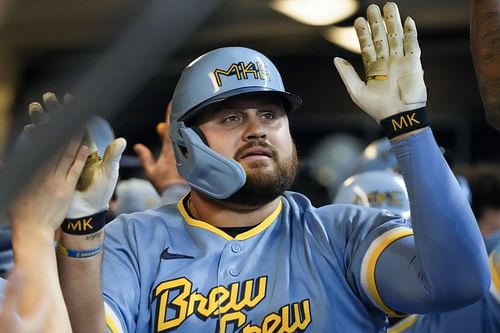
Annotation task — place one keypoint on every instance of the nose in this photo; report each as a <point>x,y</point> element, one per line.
<point>255,130</point>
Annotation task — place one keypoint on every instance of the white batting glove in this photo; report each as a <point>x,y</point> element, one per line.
<point>391,59</point>
<point>97,182</point>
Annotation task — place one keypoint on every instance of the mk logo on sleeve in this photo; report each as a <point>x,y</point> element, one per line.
<point>256,70</point>
<point>177,301</point>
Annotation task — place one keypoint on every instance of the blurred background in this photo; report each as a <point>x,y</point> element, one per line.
<point>47,45</point>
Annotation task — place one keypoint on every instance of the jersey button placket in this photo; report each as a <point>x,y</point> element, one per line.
<point>236,247</point>
<point>234,272</point>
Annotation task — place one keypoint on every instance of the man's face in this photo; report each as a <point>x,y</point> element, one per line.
<point>254,131</point>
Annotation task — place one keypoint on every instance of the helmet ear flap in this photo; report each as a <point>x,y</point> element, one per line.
<point>204,169</point>
<point>198,131</point>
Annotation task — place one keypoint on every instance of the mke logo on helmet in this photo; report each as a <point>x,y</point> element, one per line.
<point>252,70</point>
<point>377,199</point>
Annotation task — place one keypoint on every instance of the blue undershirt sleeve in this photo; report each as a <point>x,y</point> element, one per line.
<point>444,265</point>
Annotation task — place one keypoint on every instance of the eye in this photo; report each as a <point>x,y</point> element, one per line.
<point>231,118</point>
<point>268,115</point>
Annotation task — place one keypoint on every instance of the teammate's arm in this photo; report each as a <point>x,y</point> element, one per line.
<point>80,246</point>
<point>444,265</point>
<point>485,47</point>
<point>35,215</point>
<point>79,249</point>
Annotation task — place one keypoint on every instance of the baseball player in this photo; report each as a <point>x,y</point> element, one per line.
<point>241,254</point>
<point>376,189</point>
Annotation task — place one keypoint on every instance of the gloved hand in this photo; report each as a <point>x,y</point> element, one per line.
<point>391,59</point>
<point>102,176</point>
<point>99,176</point>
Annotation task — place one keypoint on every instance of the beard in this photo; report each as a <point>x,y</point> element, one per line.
<point>263,186</point>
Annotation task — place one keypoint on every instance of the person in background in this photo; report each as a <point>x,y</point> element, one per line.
<point>162,171</point>
<point>376,189</point>
<point>134,195</point>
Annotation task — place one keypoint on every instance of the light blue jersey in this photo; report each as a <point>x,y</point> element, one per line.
<point>480,317</point>
<point>301,269</point>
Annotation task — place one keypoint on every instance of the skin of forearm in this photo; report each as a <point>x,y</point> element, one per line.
<point>485,47</point>
<point>81,283</point>
<point>34,255</point>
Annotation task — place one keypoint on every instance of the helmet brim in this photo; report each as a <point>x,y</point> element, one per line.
<point>290,101</point>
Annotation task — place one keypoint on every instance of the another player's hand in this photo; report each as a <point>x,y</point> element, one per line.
<point>394,79</point>
<point>45,200</point>
<point>99,176</point>
<point>161,172</point>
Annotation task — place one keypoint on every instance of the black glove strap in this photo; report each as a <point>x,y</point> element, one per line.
<point>404,122</point>
<point>84,225</point>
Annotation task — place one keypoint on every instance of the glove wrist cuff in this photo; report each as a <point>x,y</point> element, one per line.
<point>84,225</point>
<point>404,122</point>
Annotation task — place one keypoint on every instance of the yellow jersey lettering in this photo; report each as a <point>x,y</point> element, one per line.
<point>202,307</point>
<point>180,302</point>
<point>216,297</point>
<point>306,312</point>
<point>177,302</point>
<point>238,317</point>
<point>271,323</point>
<point>251,329</point>
<point>246,300</point>
<point>282,323</point>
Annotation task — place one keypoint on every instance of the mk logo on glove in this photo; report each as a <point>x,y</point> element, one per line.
<point>404,122</point>
<point>84,225</point>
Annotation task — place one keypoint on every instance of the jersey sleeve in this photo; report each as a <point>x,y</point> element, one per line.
<point>444,265</point>
<point>368,233</point>
<point>120,276</point>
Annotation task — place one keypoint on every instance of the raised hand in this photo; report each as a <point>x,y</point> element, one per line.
<point>47,197</point>
<point>394,78</point>
<point>161,172</point>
